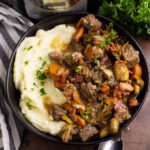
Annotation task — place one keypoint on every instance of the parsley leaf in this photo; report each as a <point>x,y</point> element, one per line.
<point>34,84</point>
<point>111,25</point>
<point>42,83</point>
<point>43,64</point>
<point>68,57</point>
<point>32,89</point>
<point>106,97</point>
<point>116,54</point>
<point>84,114</point>
<point>40,75</point>
<point>30,47</point>
<point>97,81</point>
<point>40,58</point>
<point>28,104</point>
<point>102,102</point>
<point>42,92</point>
<point>26,62</point>
<point>134,15</point>
<point>95,93</point>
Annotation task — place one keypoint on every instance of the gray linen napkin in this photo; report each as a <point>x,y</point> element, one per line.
<point>12,27</point>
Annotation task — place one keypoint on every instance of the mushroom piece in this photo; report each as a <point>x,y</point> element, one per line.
<point>121,71</point>
<point>108,74</point>
<point>66,133</point>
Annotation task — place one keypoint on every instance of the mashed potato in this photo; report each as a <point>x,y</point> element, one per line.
<point>32,79</point>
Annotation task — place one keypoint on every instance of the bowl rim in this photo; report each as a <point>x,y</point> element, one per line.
<point>42,134</point>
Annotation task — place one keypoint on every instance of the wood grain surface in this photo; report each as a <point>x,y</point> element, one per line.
<point>137,138</point>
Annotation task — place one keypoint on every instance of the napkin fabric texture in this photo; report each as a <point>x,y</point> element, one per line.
<point>12,27</point>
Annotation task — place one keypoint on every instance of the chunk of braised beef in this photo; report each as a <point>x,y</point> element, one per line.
<point>97,76</point>
<point>87,79</point>
<point>78,79</point>
<point>68,90</point>
<point>67,58</point>
<point>90,21</point>
<point>98,40</point>
<point>86,38</point>
<point>58,112</point>
<point>122,114</point>
<point>105,62</point>
<point>92,53</point>
<point>55,56</point>
<point>93,31</point>
<point>76,56</point>
<point>130,55</point>
<point>88,90</point>
<point>75,46</point>
<point>87,132</point>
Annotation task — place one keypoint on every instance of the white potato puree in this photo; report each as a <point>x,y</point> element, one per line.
<point>30,56</point>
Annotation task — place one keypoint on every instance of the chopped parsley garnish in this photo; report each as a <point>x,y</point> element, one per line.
<point>111,25</point>
<point>71,63</point>
<point>84,114</point>
<point>32,89</point>
<point>103,46</point>
<point>97,81</point>
<point>24,48</point>
<point>106,97</point>
<point>96,62</point>
<point>42,83</point>
<point>30,47</point>
<point>26,62</point>
<point>78,70</point>
<point>42,92</point>
<point>40,58</point>
<point>112,34</point>
<point>105,34</point>
<point>40,75</point>
<point>102,102</point>
<point>95,93</point>
<point>25,88</point>
<point>43,64</point>
<point>28,104</point>
<point>68,57</point>
<point>34,84</point>
<point>116,54</point>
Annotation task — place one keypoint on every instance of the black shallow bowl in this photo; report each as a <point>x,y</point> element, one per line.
<point>69,18</point>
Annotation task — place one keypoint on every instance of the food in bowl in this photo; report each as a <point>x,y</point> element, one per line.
<point>80,79</point>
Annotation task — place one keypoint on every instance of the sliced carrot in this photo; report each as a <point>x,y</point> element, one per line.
<point>54,71</point>
<point>117,92</point>
<point>137,70</point>
<point>115,100</point>
<point>58,84</point>
<point>111,100</point>
<point>64,76</point>
<point>108,101</point>
<point>133,102</point>
<point>79,23</point>
<point>76,97</point>
<point>78,34</point>
<point>80,121</point>
<point>81,61</point>
<point>105,88</point>
<point>68,107</point>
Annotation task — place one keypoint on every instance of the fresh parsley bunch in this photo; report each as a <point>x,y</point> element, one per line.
<point>134,15</point>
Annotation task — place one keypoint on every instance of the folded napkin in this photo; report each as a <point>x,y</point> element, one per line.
<point>12,27</point>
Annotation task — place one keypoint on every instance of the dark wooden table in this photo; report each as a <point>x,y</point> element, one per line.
<point>137,138</point>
